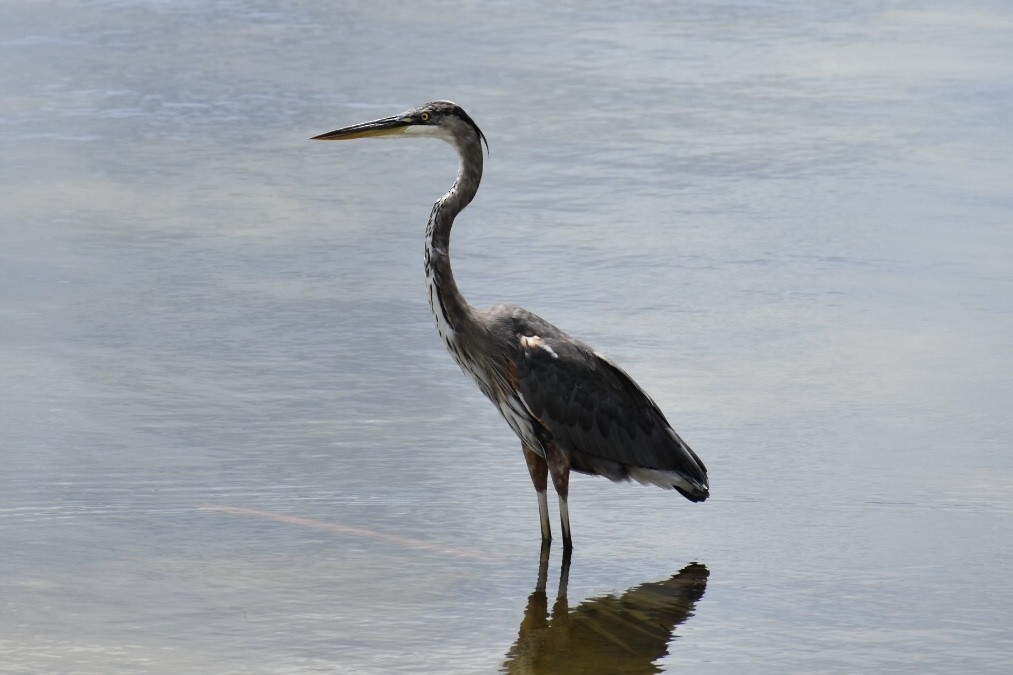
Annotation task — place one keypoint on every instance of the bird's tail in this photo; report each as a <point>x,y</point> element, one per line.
<point>699,493</point>
<point>692,472</point>
<point>692,488</point>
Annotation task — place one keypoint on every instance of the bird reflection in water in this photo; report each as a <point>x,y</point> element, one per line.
<point>620,635</point>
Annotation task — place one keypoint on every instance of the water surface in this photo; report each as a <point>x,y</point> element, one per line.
<point>232,441</point>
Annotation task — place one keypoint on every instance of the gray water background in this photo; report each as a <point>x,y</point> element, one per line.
<point>232,442</point>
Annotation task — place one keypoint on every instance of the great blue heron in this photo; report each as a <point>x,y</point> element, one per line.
<point>572,407</point>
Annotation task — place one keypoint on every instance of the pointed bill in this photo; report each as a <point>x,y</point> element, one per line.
<point>388,126</point>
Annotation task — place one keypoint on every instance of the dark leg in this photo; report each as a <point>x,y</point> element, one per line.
<point>558,461</point>
<point>560,608</point>
<point>538,469</point>
<point>564,572</point>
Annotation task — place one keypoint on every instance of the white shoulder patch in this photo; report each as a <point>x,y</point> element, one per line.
<point>535,342</point>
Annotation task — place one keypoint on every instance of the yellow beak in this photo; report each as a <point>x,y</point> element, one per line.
<point>388,126</point>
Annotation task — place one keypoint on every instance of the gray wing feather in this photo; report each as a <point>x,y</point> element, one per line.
<point>591,406</point>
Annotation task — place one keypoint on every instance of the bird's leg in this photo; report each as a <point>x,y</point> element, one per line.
<point>538,469</point>
<point>559,468</point>
<point>564,575</point>
<point>543,569</point>
<point>564,521</point>
<point>561,607</point>
<point>543,554</point>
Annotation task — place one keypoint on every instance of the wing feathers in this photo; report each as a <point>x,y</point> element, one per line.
<point>591,406</point>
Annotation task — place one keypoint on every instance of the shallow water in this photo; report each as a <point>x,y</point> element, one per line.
<point>234,443</point>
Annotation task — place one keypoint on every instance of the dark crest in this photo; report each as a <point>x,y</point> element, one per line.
<point>451,109</point>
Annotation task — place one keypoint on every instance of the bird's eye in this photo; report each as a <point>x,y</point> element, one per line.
<point>424,117</point>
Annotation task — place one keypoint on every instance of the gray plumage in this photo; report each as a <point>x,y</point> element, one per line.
<point>571,407</point>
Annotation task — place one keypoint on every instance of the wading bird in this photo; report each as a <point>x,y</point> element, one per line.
<point>572,407</point>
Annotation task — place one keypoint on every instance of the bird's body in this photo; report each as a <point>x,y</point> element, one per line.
<point>571,407</point>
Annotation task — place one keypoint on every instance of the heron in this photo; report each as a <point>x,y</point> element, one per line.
<point>572,407</point>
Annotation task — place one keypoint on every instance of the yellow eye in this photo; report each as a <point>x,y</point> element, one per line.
<point>424,117</point>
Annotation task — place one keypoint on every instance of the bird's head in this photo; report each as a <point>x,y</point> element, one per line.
<point>439,119</point>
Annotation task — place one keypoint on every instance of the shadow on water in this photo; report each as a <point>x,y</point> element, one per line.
<point>609,634</point>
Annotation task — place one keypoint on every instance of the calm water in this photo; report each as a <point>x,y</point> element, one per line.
<point>232,442</point>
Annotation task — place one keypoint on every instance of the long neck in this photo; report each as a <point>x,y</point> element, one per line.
<point>450,310</point>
